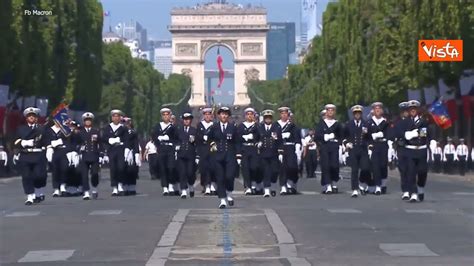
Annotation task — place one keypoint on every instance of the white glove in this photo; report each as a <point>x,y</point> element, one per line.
<point>163,138</point>
<point>49,154</point>
<point>247,137</point>
<point>196,161</point>
<point>298,159</point>
<point>377,135</point>
<point>259,145</point>
<point>280,158</point>
<point>411,134</point>
<point>72,158</point>
<point>175,156</point>
<point>16,158</point>
<point>349,145</point>
<point>105,159</point>
<point>204,137</point>
<point>28,143</point>
<point>177,147</point>
<point>56,143</point>
<point>329,136</point>
<point>112,141</point>
<point>138,160</point>
<point>286,135</point>
<point>101,160</point>
<point>128,156</point>
<point>370,154</point>
<point>76,158</point>
<point>239,161</point>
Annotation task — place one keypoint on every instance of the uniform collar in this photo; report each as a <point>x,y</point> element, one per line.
<point>378,120</point>
<point>329,122</point>
<point>248,124</point>
<point>114,126</point>
<point>282,124</point>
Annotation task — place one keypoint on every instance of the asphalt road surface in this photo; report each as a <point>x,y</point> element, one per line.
<point>306,229</point>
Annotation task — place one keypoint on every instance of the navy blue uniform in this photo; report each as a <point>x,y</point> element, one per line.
<point>289,167</point>
<point>115,152</point>
<point>186,156</point>
<point>379,148</point>
<point>166,152</point>
<point>224,158</point>
<point>32,161</point>
<point>204,155</point>
<point>400,143</point>
<point>60,164</point>
<point>270,148</point>
<point>356,134</point>
<point>131,142</point>
<point>250,160</point>
<point>91,150</point>
<point>329,151</point>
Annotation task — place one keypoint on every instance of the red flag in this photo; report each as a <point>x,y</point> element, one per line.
<point>440,114</point>
<point>221,69</point>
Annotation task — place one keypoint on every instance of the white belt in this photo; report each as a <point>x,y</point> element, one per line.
<point>288,143</point>
<point>414,147</point>
<point>33,150</point>
<point>166,143</point>
<point>248,144</point>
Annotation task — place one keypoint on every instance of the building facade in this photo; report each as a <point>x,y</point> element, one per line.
<point>163,57</point>
<point>280,45</point>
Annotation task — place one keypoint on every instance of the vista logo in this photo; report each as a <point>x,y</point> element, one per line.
<point>440,50</point>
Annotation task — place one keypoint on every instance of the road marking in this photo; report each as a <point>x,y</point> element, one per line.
<point>226,238</point>
<point>9,179</point>
<point>419,211</point>
<point>231,215</point>
<point>343,211</point>
<point>464,193</point>
<point>285,240</point>
<point>162,251</point>
<point>407,250</point>
<point>47,255</point>
<point>23,214</point>
<point>106,212</point>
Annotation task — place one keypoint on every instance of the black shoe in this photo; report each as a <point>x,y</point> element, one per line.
<point>28,203</point>
<point>231,202</point>
<point>421,197</point>
<point>166,193</point>
<point>363,192</point>
<point>183,196</point>
<point>176,193</point>
<point>254,192</point>
<point>191,194</point>
<point>95,195</point>
<point>273,193</point>
<point>378,193</point>
<point>292,191</point>
<point>335,190</point>
<point>384,190</point>
<point>37,200</point>
<point>222,206</point>
<point>121,193</point>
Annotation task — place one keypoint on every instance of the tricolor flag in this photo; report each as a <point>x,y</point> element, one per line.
<point>61,118</point>
<point>221,69</point>
<point>440,114</point>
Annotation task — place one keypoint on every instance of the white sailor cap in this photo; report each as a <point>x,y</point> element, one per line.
<point>413,103</point>
<point>461,140</point>
<point>249,109</point>
<point>284,109</point>
<point>165,110</point>
<point>330,106</point>
<point>403,105</point>
<point>323,112</point>
<point>377,104</point>
<point>31,110</point>
<point>267,112</point>
<point>206,110</point>
<point>357,108</point>
<point>116,112</point>
<point>187,115</point>
<point>87,115</point>
<point>449,139</point>
<point>126,119</point>
<point>223,109</point>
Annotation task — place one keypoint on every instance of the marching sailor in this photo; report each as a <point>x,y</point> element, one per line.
<point>92,156</point>
<point>449,156</point>
<point>310,154</point>
<point>436,157</point>
<point>400,143</point>
<point>417,135</point>
<point>203,159</point>
<point>152,157</point>
<point>461,153</point>
<point>32,160</point>
<point>164,136</point>
<point>378,129</point>
<point>291,136</point>
<point>356,141</point>
<point>328,133</point>
<point>132,158</point>
<point>186,148</point>
<point>249,137</point>
<point>114,136</point>
<point>224,153</point>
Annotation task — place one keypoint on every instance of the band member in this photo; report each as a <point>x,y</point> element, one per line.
<point>417,135</point>
<point>270,148</point>
<point>436,157</point>
<point>329,132</point>
<point>289,166</point>
<point>449,156</point>
<point>249,137</point>
<point>461,153</point>
<point>356,141</point>
<point>203,152</point>
<point>186,148</point>
<point>114,136</point>
<point>152,157</point>
<point>74,180</point>
<point>378,129</point>
<point>224,154</point>
<point>310,154</point>
<point>3,161</point>
<point>164,136</point>
<point>401,151</point>
<point>32,160</point>
<point>132,158</point>
<point>92,155</point>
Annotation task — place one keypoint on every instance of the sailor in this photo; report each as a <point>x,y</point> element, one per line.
<point>449,156</point>
<point>291,136</point>
<point>186,148</point>
<point>3,161</point>
<point>113,137</point>
<point>417,135</point>
<point>203,159</point>
<point>400,143</point>
<point>164,137</point>
<point>378,129</point>
<point>132,158</point>
<point>152,157</point>
<point>436,157</point>
<point>32,160</point>
<point>461,153</point>
<point>224,153</point>
<point>310,154</point>
<point>356,141</point>
<point>329,133</point>
<point>270,151</point>
<point>248,135</point>
<point>91,150</point>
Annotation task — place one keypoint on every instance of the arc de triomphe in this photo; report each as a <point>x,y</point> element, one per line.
<point>241,29</point>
